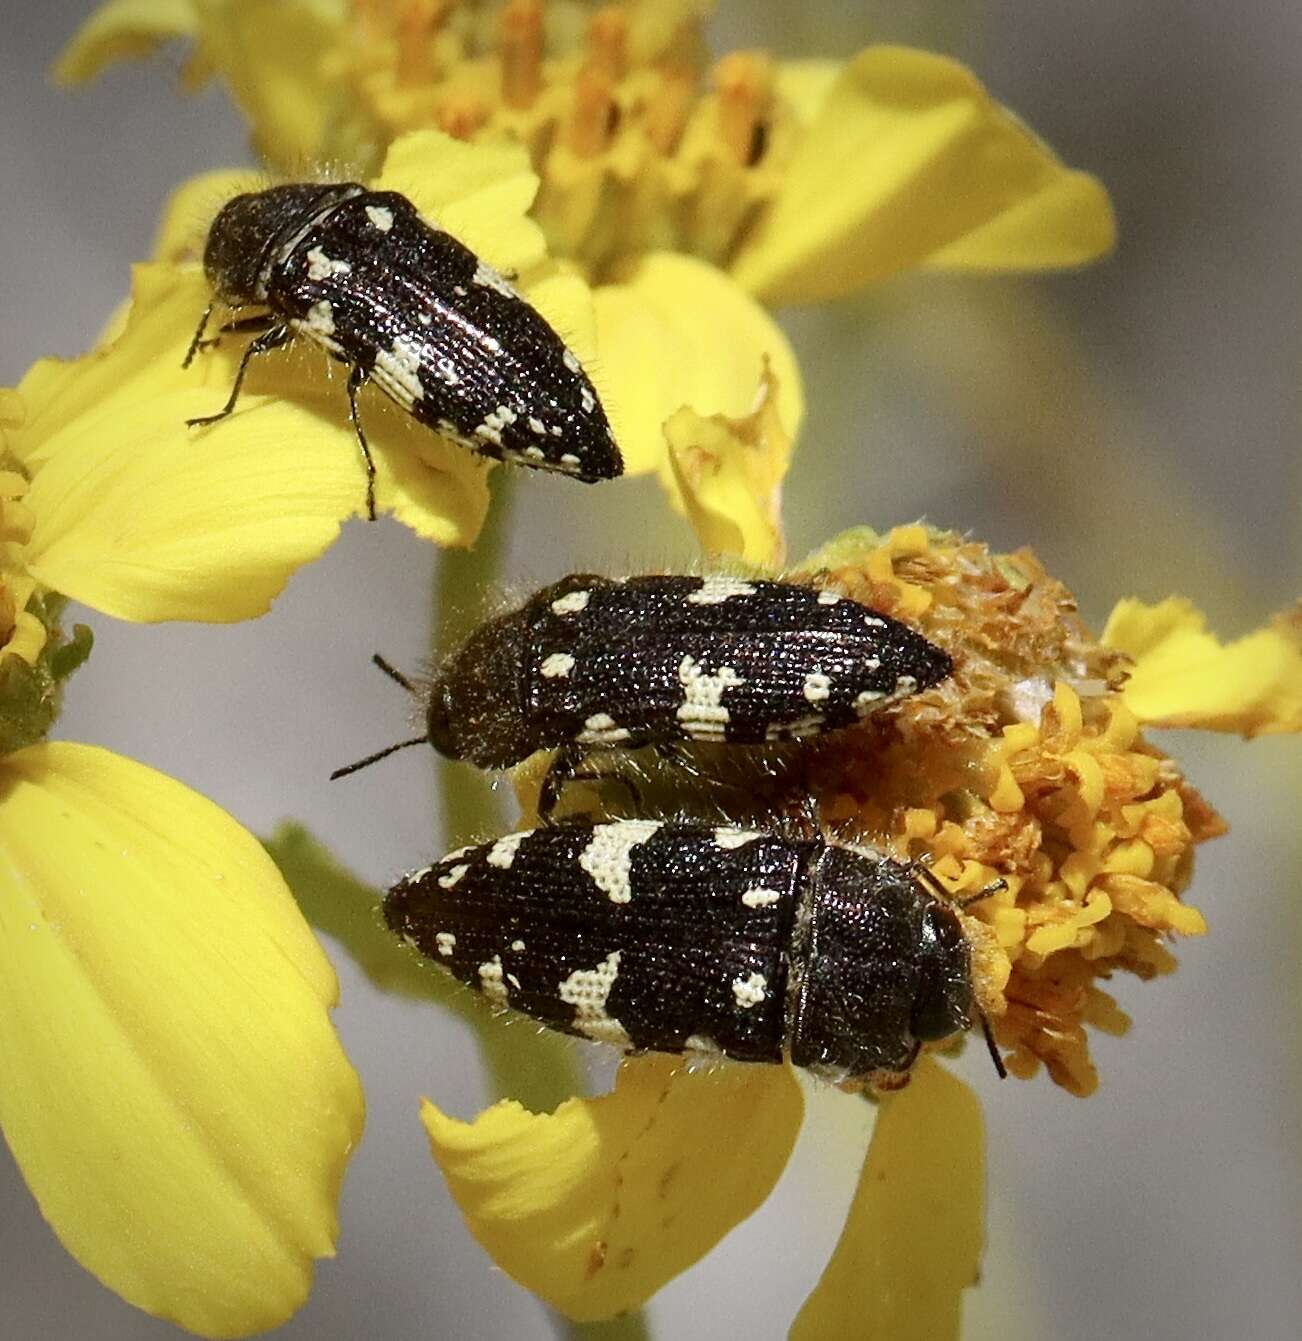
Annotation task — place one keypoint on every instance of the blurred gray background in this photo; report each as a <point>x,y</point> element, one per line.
<point>1136,424</point>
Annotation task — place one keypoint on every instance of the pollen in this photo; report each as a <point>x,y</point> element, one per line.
<point>637,139</point>
<point>1025,765</point>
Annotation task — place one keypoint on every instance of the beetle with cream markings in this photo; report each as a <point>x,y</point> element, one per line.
<point>664,660</point>
<point>694,938</point>
<point>407,307</point>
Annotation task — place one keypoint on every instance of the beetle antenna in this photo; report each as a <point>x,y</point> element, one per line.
<point>376,757</point>
<point>993,1047</point>
<point>994,887</point>
<point>394,674</point>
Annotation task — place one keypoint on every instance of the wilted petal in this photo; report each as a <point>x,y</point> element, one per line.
<point>676,331</point>
<point>1183,676</point>
<point>910,162</point>
<point>122,30</point>
<point>729,474</point>
<point>170,1084</point>
<point>913,1239</point>
<point>596,1206</point>
<point>147,519</point>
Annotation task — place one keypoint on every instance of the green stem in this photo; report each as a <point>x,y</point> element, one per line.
<point>538,1069</point>
<point>629,1327</point>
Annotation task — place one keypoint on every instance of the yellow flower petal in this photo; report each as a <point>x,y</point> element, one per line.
<point>596,1206</point>
<point>121,30</point>
<point>911,162</point>
<point>729,473</point>
<point>147,519</point>
<point>912,1242</point>
<point>1184,677</point>
<point>274,56</point>
<point>676,331</point>
<point>170,1084</point>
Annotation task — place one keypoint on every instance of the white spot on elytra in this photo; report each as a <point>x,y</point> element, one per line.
<point>748,991</point>
<point>490,343</point>
<point>490,981</point>
<point>502,853</point>
<point>601,729</point>
<point>455,874</point>
<point>447,371</point>
<point>569,459</point>
<point>865,702</point>
<point>608,856</point>
<point>729,838</point>
<point>425,319</point>
<point>904,684</point>
<point>489,433</point>
<point>700,1043</point>
<point>446,943</point>
<point>557,666</point>
<point>320,319</point>
<point>571,362</point>
<point>396,370</point>
<point>517,946</point>
<point>829,598</point>
<point>715,590</point>
<point>321,266</point>
<point>759,897</point>
<point>535,453</point>
<point>488,278</point>
<point>817,686</point>
<point>702,712</point>
<point>588,401</point>
<point>588,991</point>
<point>797,729</point>
<point>513,980</point>
<point>380,216</point>
<point>571,603</point>
<point>537,426</point>
<point>460,290</point>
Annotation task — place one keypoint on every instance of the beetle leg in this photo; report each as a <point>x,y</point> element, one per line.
<point>198,342</point>
<point>357,380</point>
<point>270,339</point>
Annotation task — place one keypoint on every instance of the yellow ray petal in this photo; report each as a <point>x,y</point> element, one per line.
<point>596,1206</point>
<point>480,193</point>
<point>676,331</point>
<point>913,1239</point>
<point>911,162</point>
<point>146,519</point>
<point>170,1084</point>
<point>729,474</point>
<point>274,55</point>
<point>1183,676</point>
<point>122,30</point>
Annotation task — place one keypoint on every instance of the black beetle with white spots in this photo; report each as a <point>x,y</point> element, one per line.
<point>699,939</point>
<point>592,663</point>
<point>412,310</point>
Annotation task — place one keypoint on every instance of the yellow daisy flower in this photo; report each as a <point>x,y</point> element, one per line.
<point>170,1084</point>
<point>1028,766</point>
<point>804,179</point>
<point>246,501</point>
